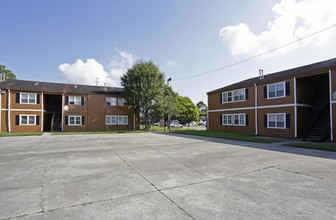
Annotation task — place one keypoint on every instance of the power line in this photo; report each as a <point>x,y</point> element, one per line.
<point>255,56</point>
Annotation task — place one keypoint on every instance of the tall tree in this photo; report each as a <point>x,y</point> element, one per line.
<point>187,110</point>
<point>144,89</point>
<point>202,109</point>
<point>8,73</point>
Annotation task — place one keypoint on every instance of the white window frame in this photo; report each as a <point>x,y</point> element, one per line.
<point>276,122</point>
<point>229,119</point>
<point>112,101</point>
<point>110,122</point>
<point>28,116</point>
<point>238,95</point>
<point>276,90</point>
<point>121,101</point>
<point>75,121</point>
<point>75,100</point>
<point>30,96</point>
<point>122,121</point>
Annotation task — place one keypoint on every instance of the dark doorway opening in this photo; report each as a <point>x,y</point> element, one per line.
<point>53,113</point>
<point>314,92</point>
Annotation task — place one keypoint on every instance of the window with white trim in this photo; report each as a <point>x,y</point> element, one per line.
<point>111,101</point>
<point>28,98</point>
<point>277,120</point>
<point>238,95</point>
<point>122,120</point>
<point>74,120</point>
<point>27,120</point>
<point>110,120</point>
<point>276,90</point>
<point>121,101</point>
<point>234,119</point>
<point>75,100</point>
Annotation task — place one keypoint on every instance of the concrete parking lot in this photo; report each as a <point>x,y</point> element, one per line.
<point>162,176</point>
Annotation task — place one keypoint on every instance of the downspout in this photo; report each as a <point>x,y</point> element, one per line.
<point>62,120</point>
<point>42,113</point>
<point>295,109</point>
<point>9,124</point>
<point>256,108</point>
<point>207,119</point>
<point>330,106</point>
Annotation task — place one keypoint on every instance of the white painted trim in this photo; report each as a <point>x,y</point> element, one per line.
<point>295,110</point>
<point>256,108</point>
<point>259,107</point>
<point>42,110</point>
<point>330,108</point>
<point>9,110</point>
<point>22,110</point>
<point>276,97</point>
<point>333,102</point>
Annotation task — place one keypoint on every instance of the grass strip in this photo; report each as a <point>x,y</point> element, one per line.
<point>225,135</point>
<point>96,132</point>
<point>5,134</point>
<point>317,146</point>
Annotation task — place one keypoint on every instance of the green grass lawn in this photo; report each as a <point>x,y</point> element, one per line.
<point>318,146</point>
<point>5,134</point>
<point>224,135</point>
<point>97,132</point>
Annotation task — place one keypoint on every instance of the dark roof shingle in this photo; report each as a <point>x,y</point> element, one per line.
<point>37,86</point>
<point>298,71</point>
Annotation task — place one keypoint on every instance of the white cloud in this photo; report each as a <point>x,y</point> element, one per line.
<point>87,72</point>
<point>120,65</point>
<point>293,19</point>
<point>171,63</point>
<point>84,72</point>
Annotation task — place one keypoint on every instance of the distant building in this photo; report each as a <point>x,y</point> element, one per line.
<point>295,103</point>
<point>31,106</point>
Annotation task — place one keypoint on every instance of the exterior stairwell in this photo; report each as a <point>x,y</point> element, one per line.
<point>320,129</point>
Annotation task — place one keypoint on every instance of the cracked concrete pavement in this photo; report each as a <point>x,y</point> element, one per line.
<point>162,176</point>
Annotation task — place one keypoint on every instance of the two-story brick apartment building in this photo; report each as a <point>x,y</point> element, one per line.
<point>30,106</point>
<point>295,103</point>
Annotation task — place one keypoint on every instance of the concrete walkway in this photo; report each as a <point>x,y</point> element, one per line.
<point>162,176</point>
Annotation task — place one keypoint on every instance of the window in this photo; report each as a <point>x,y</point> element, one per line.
<point>122,120</point>
<point>74,120</point>
<point>110,120</point>
<point>276,90</point>
<point>277,120</point>
<point>27,120</point>
<point>227,119</point>
<point>121,102</point>
<point>28,98</point>
<point>111,101</point>
<point>234,96</point>
<point>75,100</point>
<point>234,119</point>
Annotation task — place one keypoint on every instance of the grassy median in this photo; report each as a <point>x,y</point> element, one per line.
<point>318,146</point>
<point>225,135</point>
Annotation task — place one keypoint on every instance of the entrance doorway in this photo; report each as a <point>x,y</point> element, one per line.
<point>53,113</point>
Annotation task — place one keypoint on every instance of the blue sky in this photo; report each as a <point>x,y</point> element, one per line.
<point>78,41</point>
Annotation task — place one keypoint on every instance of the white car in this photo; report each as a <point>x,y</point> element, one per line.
<point>176,125</point>
<point>191,124</point>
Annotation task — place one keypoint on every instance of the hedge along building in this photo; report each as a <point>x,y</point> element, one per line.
<point>295,103</point>
<point>29,106</point>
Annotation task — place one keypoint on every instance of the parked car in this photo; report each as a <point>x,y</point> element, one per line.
<point>156,124</point>
<point>175,124</point>
<point>190,124</point>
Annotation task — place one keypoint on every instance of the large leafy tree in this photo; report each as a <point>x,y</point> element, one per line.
<point>187,110</point>
<point>8,73</point>
<point>144,90</point>
<point>202,109</point>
